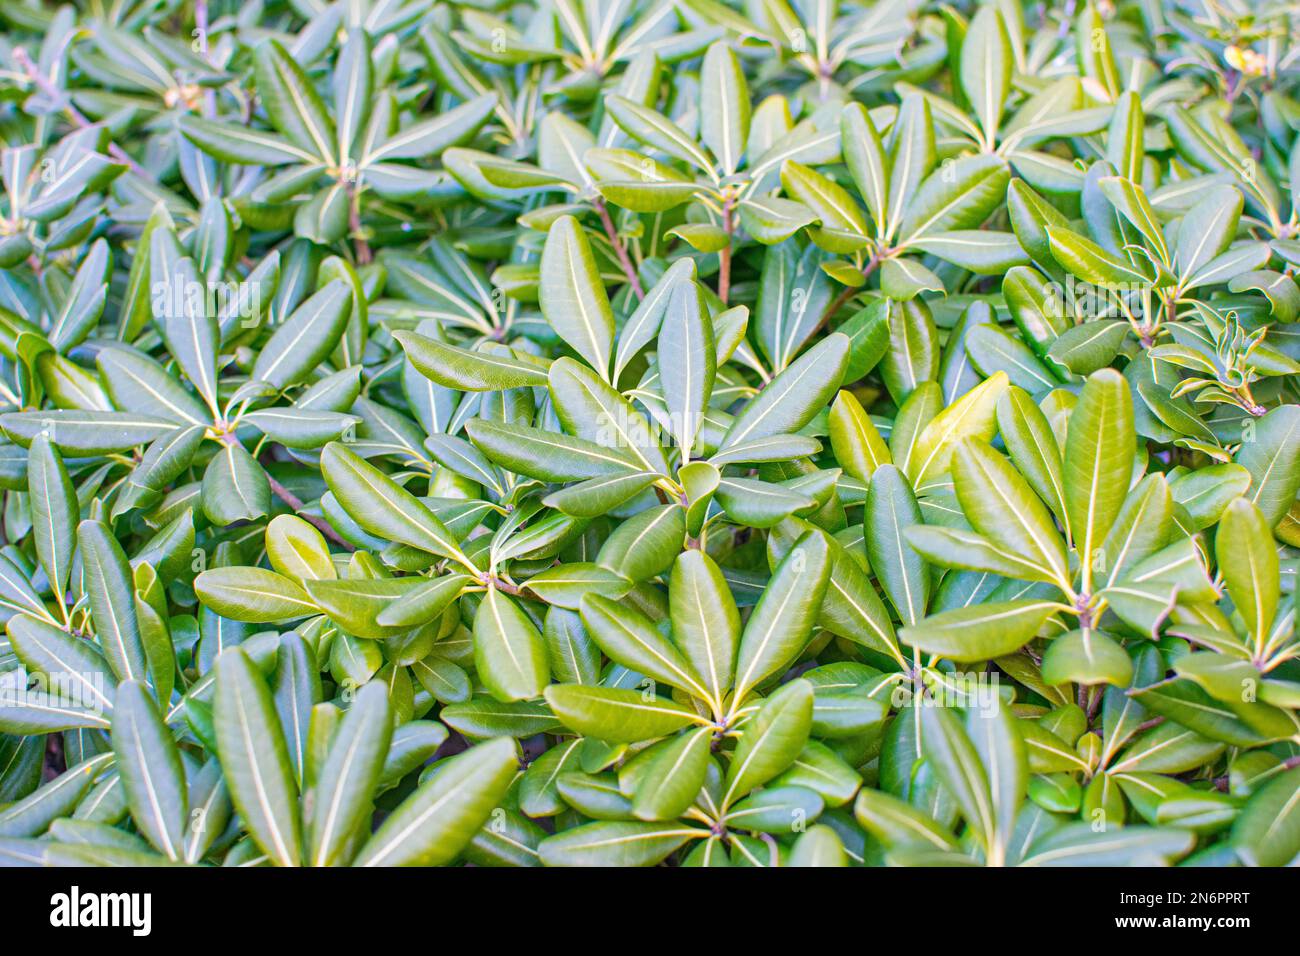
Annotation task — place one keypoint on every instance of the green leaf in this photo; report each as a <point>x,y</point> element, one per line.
<point>32,815</point>
<point>986,68</point>
<point>432,136</point>
<point>1086,656</point>
<point>959,196</point>
<point>616,715</point>
<point>151,770</point>
<point>770,741</point>
<point>1078,844</point>
<point>235,487</point>
<point>673,779</point>
<point>686,363</point>
<point>383,507</point>
<point>957,764</point>
<point>724,106</point>
<point>794,396</point>
<point>705,621</point>
<point>435,823</point>
<point>1098,465</point>
<point>54,512</point>
<point>782,622</point>
<point>305,338</point>
<point>292,102</point>
<point>255,758</point>
<point>344,788</point>
<point>573,296</point>
<point>110,588</point>
<point>1248,561</point>
<point>1267,832</point>
<point>1000,505</point>
<point>547,455</point>
<point>657,131</point>
<point>855,439</point>
<point>471,371</point>
<point>1271,460</point>
<point>980,632</point>
<point>864,154</point>
<point>73,667</point>
<point>611,843</point>
<point>1086,348</point>
<point>508,650</point>
<point>972,415</point>
<point>191,331</point>
<point>890,509</point>
<point>233,143</point>
<point>594,410</point>
<point>1090,262</point>
<point>252,594</point>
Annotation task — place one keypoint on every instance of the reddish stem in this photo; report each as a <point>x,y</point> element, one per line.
<point>724,257</point>
<point>297,504</point>
<point>364,255</point>
<point>78,118</point>
<point>293,501</point>
<point>620,250</point>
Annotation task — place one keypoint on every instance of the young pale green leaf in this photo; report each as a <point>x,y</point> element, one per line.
<point>674,778</point>
<point>1248,561</point>
<point>1000,505</point>
<point>770,740</point>
<point>855,439</point>
<point>980,632</point>
<point>616,715</point>
<point>614,843</point>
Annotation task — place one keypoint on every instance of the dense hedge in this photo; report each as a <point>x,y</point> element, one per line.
<point>755,432</point>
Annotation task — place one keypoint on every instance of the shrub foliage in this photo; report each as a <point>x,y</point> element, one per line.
<point>720,432</point>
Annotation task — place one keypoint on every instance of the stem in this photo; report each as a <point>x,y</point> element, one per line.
<point>296,503</point>
<point>620,250</point>
<point>78,118</point>
<point>364,255</point>
<point>502,585</point>
<point>724,256</point>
